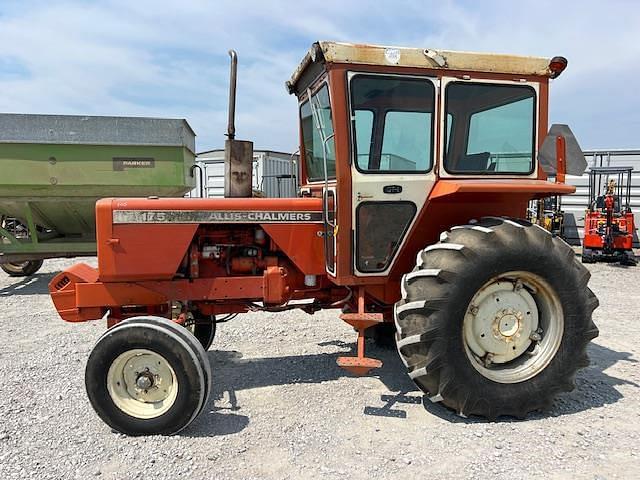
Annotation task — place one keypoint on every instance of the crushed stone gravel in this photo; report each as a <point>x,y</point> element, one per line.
<point>281,408</point>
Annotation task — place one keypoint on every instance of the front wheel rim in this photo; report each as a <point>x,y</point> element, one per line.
<point>142,384</point>
<point>513,327</point>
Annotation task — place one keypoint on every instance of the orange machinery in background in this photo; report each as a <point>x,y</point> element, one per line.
<point>608,224</point>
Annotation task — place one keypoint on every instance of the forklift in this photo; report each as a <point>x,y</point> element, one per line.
<point>608,222</point>
<point>547,212</point>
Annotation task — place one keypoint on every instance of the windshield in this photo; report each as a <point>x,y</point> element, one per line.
<point>315,128</point>
<point>490,128</point>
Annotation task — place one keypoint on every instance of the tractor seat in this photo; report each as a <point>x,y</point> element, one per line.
<point>600,203</point>
<point>475,162</point>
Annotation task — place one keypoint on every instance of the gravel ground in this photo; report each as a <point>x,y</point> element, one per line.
<point>281,408</point>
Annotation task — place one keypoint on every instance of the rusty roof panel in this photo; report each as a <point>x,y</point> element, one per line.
<point>358,54</point>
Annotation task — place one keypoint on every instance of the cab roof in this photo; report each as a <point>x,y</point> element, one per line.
<point>359,54</point>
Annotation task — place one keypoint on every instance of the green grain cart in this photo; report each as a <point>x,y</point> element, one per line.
<point>53,168</point>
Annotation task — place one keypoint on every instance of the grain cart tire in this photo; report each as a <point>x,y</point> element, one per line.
<point>22,269</point>
<point>204,329</point>
<point>495,318</point>
<point>187,336</point>
<point>145,379</point>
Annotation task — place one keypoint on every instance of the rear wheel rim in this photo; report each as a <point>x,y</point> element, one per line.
<point>142,383</point>
<point>513,327</point>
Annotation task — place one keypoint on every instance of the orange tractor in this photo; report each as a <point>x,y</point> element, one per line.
<point>417,166</point>
<point>608,223</point>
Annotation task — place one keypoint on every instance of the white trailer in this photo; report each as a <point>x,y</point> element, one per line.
<point>275,174</point>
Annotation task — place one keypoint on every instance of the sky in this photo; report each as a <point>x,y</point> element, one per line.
<point>169,59</point>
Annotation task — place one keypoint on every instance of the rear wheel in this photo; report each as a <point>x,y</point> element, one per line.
<point>22,269</point>
<point>629,259</point>
<point>142,378</point>
<point>587,256</point>
<point>495,319</point>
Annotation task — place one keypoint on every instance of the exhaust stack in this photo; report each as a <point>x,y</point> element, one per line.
<point>238,154</point>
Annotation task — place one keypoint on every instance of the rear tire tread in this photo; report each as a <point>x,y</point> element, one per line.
<point>422,339</point>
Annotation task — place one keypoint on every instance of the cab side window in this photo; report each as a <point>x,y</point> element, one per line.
<point>392,123</point>
<point>313,123</point>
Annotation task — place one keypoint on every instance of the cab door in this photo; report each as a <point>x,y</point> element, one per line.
<point>393,124</point>
<point>320,156</point>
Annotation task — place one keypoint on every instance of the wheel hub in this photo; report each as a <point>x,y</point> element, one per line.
<point>508,334</point>
<point>500,320</point>
<point>507,323</point>
<point>142,383</point>
<point>502,317</point>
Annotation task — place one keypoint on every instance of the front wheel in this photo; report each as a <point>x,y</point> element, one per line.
<point>22,269</point>
<point>144,378</point>
<point>495,318</point>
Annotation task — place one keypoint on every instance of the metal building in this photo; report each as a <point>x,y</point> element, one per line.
<point>575,205</point>
<point>275,174</point>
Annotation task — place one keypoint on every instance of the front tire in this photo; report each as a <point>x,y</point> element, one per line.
<point>144,379</point>
<point>495,318</point>
<point>184,333</point>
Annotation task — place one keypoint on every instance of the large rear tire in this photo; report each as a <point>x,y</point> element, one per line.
<point>495,318</point>
<point>22,269</point>
<point>143,378</point>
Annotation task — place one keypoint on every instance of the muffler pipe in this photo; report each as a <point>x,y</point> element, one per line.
<point>238,154</point>
<point>231,125</point>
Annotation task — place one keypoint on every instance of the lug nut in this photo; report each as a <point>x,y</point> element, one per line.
<point>488,359</point>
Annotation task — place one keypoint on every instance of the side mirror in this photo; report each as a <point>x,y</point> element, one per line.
<point>552,158</point>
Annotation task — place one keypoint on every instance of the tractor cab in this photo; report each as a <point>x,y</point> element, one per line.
<point>384,128</point>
